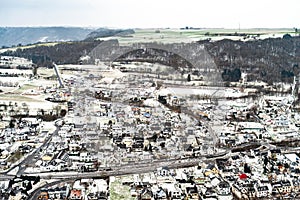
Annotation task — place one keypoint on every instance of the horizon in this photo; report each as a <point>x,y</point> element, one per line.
<point>230,14</point>
<point>150,28</point>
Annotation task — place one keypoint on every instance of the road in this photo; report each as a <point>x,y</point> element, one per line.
<point>31,157</point>
<point>212,134</point>
<point>27,160</point>
<point>131,168</point>
<point>134,168</point>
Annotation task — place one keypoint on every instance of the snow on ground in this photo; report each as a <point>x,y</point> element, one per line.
<point>14,171</point>
<point>15,61</point>
<point>49,126</point>
<point>211,91</point>
<point>43,39</point>
<point>15,71</point>
<point>84,67</point>
<point>110,75</point>
<point>151,103</point>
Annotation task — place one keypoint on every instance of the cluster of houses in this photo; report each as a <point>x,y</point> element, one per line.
<point>89,189</point>
<point>18,139</point>
<point>65,152</point>
<point>12,68</point>
<point>137,125</point>
<point>259,174</point>
<point>82,189</point>
<point>271,120</point>
<point>120,121</point>
<point>139,129</point>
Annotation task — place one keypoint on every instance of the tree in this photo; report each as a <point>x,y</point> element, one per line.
<point>29,186</point>
<point>287,36</point>
<point>286,166</point>
<point>236,74</point>
<point>247,168</point>
<point>34,70</point>
<point>231,75</point>
<point>63,112</point>
<point>12,124</point>
<point>189,78</point>
<point>266,160</point>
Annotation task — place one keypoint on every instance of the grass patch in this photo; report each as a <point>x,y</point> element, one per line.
<point>15,157</point>
<point>119,191</point>
<point>26,87</point>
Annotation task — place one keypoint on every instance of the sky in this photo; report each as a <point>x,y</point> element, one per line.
<point>151,14</point>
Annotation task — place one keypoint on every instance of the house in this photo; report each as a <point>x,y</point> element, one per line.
<point>208,193</point>
<point>211,169</point>
<point>86,157</point>
<point>4,186</point>
<point>25,148</point>
<point>244,189</point>
<point>287,186</point>
<point>133,192</point>
<point>263,187</point>
<point>296,185</point>
<point>59,192</point>
<point>43,194</point>
<point>78,191</point>
<point>192,192</point>
<point>85,166</point>
<point>281,188</point>
<point>95,188</point>
<point>262,191</point>
<point>175,192</point>
<point>223,189</point>
<point>161,194</point>
<point>276,189</point>
<point>164,171</point>
<point>74,149</point>
<point>76,194</point>
<point>145,194</point>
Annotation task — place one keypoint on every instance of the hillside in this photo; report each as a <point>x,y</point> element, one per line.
<point>62,53</point>
<point>18,36</point>
<point>273,59</point>
<point>13,36</point>
<point>104,32</point>
<point>269,60</point>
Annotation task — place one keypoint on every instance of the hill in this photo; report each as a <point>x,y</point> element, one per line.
<point>19,36</point>
<point>269,60</point>
<point>61,53</point>
<point>104,32</point>
<point>272,59</point>
<point>13,36</point>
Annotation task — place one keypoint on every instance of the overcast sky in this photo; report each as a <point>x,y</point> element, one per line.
<point>151,13</point>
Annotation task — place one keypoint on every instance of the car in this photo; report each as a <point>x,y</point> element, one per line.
<point>3,163</point>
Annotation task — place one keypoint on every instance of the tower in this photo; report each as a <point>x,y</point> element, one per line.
<point>295,87</point>
<point>61,85</point>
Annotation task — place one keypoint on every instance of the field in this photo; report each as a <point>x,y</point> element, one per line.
<point>189,35</point>
<point>119,191</point>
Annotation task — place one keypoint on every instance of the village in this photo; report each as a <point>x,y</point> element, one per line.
<point>143,136</point>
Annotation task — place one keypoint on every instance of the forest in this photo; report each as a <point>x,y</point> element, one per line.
<point>270,60</point>
<point>62,53</point>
